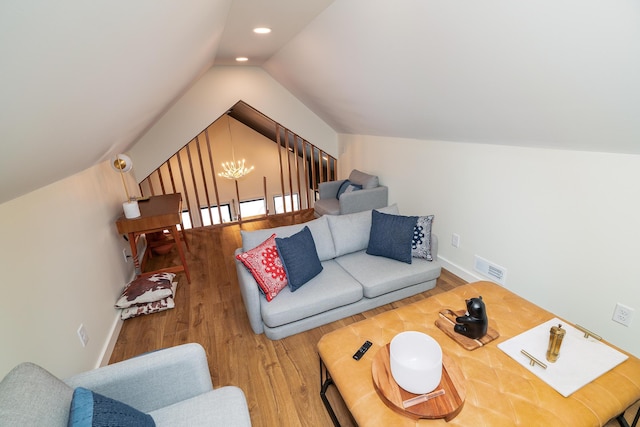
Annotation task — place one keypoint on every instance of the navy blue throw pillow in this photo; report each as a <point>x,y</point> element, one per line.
<point>343,188</point>
<point>391,236</point>
<point>299,258</point>
<point>347,187</point>
<point>89,409</point>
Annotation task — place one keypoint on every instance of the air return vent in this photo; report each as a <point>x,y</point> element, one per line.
<point>491,270</point>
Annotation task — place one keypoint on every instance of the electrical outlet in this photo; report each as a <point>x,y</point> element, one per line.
<point>623,314</point>
<point>83,335</point>
<point>455,240</point>
<point>125,255</point>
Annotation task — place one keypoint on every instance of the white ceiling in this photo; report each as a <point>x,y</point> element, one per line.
<point>82,81</point>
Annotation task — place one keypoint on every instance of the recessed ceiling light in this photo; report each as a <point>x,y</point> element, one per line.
<point>262,30</point>
<point>242,59</point>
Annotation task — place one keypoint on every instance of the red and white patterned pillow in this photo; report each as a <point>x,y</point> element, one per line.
<point>265,265</point>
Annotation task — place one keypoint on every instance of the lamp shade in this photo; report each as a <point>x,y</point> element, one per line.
<point>121,163</point>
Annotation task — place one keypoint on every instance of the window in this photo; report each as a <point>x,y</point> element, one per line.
<point>206,219</point>
<point>251,208</point>
<point>277,201</point>
<point>226,214</point>
<point>186,220</point>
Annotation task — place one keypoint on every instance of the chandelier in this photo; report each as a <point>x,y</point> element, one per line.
<point>234,169</point>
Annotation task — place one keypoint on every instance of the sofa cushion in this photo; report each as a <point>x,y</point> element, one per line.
<point>351,232</point>
<point>299,257</point>
<point>224,406</point>
<point>364,179</point>
<point>391,236</point>
<point>327,207</point>
<point>332,288</point>
<point>93,409</point>
<point>378,275</point>
<point>31,396</point>
<point>421,243</point>
<point>266,266</point>
<point>319,229</point>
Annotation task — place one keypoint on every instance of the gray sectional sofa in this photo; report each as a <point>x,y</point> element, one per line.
<point>351,281</point>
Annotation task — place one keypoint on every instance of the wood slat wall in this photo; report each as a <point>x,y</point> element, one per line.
<point>192,172</point>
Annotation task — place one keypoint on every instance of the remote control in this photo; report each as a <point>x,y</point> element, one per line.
<point>362,350</point>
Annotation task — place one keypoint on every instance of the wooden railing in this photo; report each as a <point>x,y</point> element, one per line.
<point>289,170</point>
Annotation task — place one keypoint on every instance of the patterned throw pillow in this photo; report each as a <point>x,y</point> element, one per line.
<point>146,289</point>
<point>421,244</point>
<point>265,265</point>
<point>150,307</point>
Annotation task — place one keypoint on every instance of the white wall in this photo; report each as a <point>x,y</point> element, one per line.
<point>62,265</point>
<point>563,223</point>
<point>210,97</point>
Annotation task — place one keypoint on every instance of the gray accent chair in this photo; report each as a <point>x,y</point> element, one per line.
<point>172,385</point>
<point>372,196</point>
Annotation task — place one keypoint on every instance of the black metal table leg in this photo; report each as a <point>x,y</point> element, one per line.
<point>623,421</point>
<point>325,382</point>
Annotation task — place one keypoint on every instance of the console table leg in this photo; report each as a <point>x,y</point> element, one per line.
<point>176,238</point>
<point>325,382</point>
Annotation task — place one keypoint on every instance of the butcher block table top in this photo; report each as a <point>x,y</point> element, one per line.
<point>498,390</point>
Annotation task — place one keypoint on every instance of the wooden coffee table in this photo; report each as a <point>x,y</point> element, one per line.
<point>499,391</point>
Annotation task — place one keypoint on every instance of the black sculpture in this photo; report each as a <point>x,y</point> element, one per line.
<point>474,323</point>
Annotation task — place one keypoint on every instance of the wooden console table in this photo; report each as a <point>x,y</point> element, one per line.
<point>158,213</point>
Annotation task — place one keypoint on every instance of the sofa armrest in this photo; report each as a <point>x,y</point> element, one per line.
<point>250,295</point>
<point>329,189</point>
<point>362,200</point>
<point>152,380</point>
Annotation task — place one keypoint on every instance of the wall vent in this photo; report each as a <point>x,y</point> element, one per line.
<point>491,270</point>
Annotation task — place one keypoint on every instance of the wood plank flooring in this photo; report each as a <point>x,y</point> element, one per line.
<point>279,378</point>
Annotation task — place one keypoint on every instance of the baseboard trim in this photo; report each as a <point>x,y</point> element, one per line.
<point>110,344</point>
<point>116,327</point>
<point>459,271</point>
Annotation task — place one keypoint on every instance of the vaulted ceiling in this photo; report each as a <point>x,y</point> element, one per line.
<point>81,81</point>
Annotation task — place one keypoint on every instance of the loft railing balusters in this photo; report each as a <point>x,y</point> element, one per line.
<point>179,174</point>
<point>204,179</point>
<point>213,176</point>
<point>184,188</point>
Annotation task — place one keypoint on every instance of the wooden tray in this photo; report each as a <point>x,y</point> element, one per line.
<point>447,320</point>
<point>446,406</point>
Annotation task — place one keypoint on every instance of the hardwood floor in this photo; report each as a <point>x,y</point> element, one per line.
<point>279,378</point>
